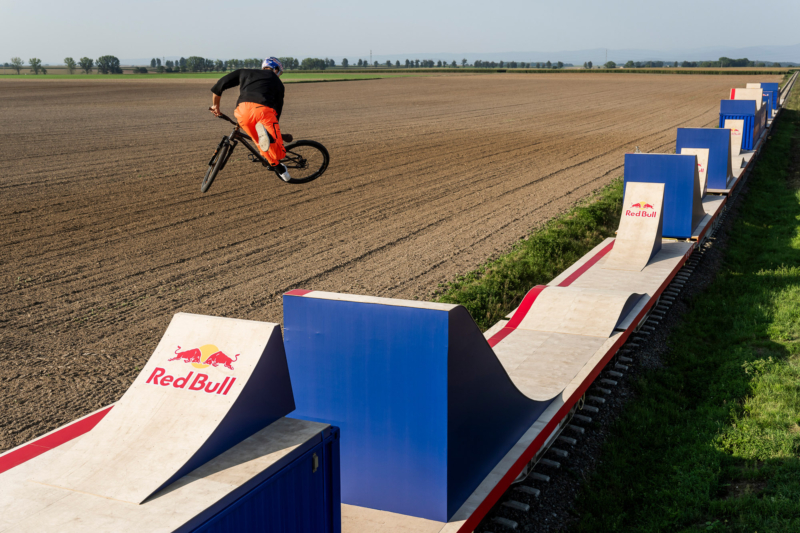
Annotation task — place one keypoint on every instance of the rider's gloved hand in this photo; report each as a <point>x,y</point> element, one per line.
<point>215,109</point>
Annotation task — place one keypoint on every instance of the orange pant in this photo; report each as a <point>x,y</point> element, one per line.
<point>248,114</point>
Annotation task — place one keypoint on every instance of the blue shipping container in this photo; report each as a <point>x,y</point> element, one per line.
<point>303,496</point>
<point>740,110</point>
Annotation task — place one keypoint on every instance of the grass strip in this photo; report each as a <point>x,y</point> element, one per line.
<point>712,441</point>
<point>497,287</point>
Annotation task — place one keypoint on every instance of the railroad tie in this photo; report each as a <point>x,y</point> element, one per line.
<point>529,490</point>
<point>550,463</point>
<point>559,452</point>
<point>591,408</point>
<point>541,477</point>
<point>519,506</point>
<point>622,367</point>
<point>596,399</point>
<point>499,520</point>
<point>624,359</point>
<point>566,440</point>
<point>582,418</point>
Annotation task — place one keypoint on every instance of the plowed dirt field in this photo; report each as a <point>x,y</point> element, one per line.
<point>105,234</point>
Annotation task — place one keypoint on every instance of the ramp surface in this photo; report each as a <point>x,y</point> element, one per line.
<point>210,383</point>
<point>640,227</point>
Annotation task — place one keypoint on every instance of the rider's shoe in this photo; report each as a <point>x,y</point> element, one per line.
<point>263,137</point>
<point>283,172</point>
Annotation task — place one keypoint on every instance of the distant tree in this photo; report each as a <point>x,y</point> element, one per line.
<point>676,64</point>
<point>36,64</point>
<point>360,63</point>
<point>313,63</point>
<point>408,63</point>
<point>195,63</point>
<point>388,64</point>
<point>590,64</point>
<point>139,70</point>
<point>559,65</point>
<point>454,64</point>
<point>439,63</point>
<point>549,64</point>
<point>629,64</point>
<point>416,63</point>
<point>160,69</point>
<point>397,63</point>
<point>16,64</point>
<point>345,63</point>
<point>376,63</point>
<point>153,63</point>
<point>218,65</point>
<point>71,65</point>
<point>776,64</point>
<point>158,62</point>
<point>108,65</point>
<point>182,63</point>
<point>610,64</point>
<point>463,62</point>
<point>169,63</point>
<point>86,65</point>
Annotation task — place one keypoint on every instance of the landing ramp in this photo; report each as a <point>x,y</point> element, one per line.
<point>211,383</point>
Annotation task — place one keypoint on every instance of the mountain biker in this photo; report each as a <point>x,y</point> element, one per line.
<point>258,108</point>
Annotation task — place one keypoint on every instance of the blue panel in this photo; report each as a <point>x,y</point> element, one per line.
<point>379,372</point>
<point>740,110</point>
<point>425,407</point>
<point>677,173</point>
<point>487,414</point>
<point>718,142</point>
<point>774,88</point>
<point>297,498</point>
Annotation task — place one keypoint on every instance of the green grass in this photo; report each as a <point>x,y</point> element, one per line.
<point>291,77</point>
<point>712,441</point>
<point>496,288</point>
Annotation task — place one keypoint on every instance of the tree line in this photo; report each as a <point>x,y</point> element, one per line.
<point>723,62</point>
<point>104,64</point>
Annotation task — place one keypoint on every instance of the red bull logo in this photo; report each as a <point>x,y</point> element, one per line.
<point>700,168</point>
<point>736,131</point>
<point>200,358</point>
<point>642,210</point>
<point>205,356</point>
<point>199,383</point>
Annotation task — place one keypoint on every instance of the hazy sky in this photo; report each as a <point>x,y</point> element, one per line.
<point>54,29</point>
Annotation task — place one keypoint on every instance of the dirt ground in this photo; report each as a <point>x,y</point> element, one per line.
<point>105,234</point>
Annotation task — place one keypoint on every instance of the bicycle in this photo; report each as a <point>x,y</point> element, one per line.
<point>306,160</point>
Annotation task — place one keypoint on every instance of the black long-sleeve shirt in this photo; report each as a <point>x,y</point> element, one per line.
<point>258,86</point>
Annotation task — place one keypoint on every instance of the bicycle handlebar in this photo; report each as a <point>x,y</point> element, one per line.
<point>226,117</point>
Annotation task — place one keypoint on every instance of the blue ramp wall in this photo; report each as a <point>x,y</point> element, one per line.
<point>425,408</point>
<point>775,89</point>
<point>683,209</point>
<point>718,142</point>
<point>741,110</point>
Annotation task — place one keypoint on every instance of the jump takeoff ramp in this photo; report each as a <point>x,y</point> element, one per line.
<point>683,203</point>
<point>201,434</point>
<point>714,165</point>
<point>640,227</point>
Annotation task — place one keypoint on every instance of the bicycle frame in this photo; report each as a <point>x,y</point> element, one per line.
<point>238,136</point>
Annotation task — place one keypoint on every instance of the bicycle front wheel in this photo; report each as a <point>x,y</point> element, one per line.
<point>216,164</point>
<point>306,160</point>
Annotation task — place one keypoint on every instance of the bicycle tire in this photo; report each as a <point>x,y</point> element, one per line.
<point>306,159</point>
<point>215,165</point>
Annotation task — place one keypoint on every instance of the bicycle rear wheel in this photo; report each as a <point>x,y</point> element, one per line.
<point>306,160</point>
<point>216,164</point>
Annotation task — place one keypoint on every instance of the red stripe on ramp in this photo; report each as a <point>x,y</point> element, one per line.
<point>53,440</point>
<point>586,266</point>
<point>733,94</point>
<point>515,321</point>
<point>297,292</point>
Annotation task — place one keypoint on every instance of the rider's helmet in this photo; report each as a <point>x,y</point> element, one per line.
<point>273,62</point>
